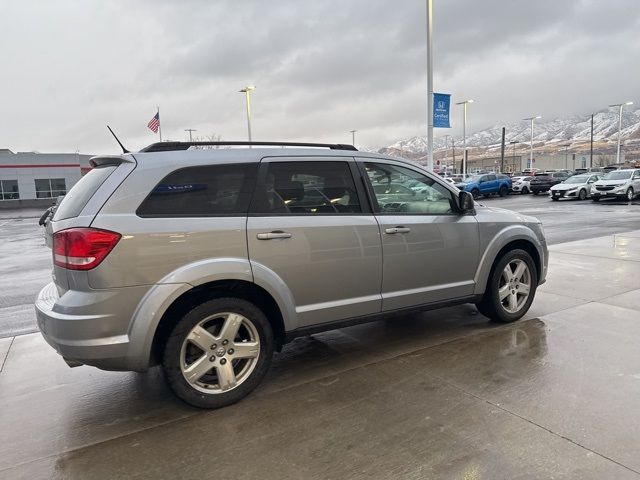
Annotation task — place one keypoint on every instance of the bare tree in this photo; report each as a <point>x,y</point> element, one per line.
<point>214,137</point>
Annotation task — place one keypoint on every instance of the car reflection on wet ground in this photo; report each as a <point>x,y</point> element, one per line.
<point>441,394</point>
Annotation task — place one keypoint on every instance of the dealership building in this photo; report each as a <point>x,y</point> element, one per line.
<point>31,179</point>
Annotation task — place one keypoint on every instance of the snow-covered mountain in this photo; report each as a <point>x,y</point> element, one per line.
<point>569,130</point>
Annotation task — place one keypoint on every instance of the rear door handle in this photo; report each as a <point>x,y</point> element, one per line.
<point>273,235</point>
<point>397,230</point>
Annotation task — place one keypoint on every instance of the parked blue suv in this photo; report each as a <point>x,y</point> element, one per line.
<point>486,184</point>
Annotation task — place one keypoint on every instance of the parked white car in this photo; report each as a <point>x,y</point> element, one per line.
<point>576,187</point>
<point>624,184</point>
<point>521,185</point>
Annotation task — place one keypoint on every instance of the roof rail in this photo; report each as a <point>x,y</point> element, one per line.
<point>172,146</point>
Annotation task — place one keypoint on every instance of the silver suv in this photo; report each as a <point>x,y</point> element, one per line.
<point>208,260</point>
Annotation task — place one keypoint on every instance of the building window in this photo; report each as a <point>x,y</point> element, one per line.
<point>9,190</point>
<point>50,187</point>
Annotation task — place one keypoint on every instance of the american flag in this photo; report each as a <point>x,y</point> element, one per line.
<point>154,123</point>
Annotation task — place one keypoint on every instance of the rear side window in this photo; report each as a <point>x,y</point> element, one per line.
<point>307,188</point>
<point>74,201</point>
<point>207,191</point>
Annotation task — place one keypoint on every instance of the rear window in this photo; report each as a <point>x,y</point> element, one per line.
<point>207,191</point>
<point>74,201</point>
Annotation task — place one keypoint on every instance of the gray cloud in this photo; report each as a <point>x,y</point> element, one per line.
<point>321,68</point>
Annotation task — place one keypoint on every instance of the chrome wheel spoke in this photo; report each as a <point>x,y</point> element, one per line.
<point>246,350</point>
<point>513,302</point>
<point>230,327</point>
<point>197,369</point>
<point>507,273</point>
<point>524,289</point>
<point>200,337</point>
<point>503,292</point>
<point>520,270</point>
<point>226,376</point>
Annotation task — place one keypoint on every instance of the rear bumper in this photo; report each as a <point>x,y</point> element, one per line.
<point>97,337</point>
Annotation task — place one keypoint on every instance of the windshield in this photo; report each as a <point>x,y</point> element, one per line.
<point>577,179</point>
<point>619,175</point>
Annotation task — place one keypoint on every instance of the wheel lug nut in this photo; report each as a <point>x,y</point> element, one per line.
<point>230,352</point>
<point>224,342</point>
<point>223,361</point>
<point>214,346</point>
<point>212,358</point>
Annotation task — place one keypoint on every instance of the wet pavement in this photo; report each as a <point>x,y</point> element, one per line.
<point>442,394</point>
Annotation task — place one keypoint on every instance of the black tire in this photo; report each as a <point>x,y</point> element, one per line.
<point>490,305</point>
<point>630,194</point>
<point>173,350</point>
<point>475,192</point>
<point>525,191</point>
<point>582,194</point>
<point>555,199</point>
<point>503,191</point>
<point>595,199</point>
<point>535,192</point>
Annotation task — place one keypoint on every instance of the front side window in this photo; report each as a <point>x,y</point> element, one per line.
<point>402,190</point>
<point>206,191</point>
<point>50,187</point>
<point>9,190</point>
<point>307,188</point>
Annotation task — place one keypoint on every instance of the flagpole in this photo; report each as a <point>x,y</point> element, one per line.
<point>159,125</point>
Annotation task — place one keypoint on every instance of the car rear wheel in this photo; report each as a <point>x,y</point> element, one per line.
<point>503,191</point>
<point>475,192</point>
<point>525,190</point>
<point>218,352</point>
<point>511,287</point>
<point>582,195</point>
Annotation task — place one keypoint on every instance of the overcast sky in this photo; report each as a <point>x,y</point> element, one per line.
<point>321,68</point>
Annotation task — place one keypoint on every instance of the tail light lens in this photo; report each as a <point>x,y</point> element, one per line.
<point>82,248</point>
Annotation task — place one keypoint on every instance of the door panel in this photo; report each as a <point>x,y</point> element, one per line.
<point>430,252</point>
<point>310,227</point>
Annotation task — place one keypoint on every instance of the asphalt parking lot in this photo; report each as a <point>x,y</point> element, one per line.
<point>442,394</point>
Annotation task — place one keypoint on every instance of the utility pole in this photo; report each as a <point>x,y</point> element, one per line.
<point>429,85</point>
<point>453,154</point>
<point>190,130</point>
<point>566,152</point>
<point>620,106</point>
<point>502,151</point>
<point>513,142</point>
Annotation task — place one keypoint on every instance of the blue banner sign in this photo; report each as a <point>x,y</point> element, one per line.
<point>441,103</point>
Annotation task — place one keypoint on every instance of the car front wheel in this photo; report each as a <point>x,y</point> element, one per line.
<point>511,287</point>
<point>503,191</point>
<point>582,195</point>
<point>630,194</point>
<point>525,191</point>
<point>218,352</point>
<point>535,192</point>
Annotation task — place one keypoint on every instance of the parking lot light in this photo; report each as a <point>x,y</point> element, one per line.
<point>532,119</point>
<point>464,104</point>
<point>620,106</point>
<point>247,92</point>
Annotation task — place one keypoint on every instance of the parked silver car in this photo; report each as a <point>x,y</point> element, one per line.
<point>576,187</point>
<point>623,184</point>
<point>206,261</point>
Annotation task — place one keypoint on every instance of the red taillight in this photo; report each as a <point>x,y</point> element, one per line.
<point>82,248</point>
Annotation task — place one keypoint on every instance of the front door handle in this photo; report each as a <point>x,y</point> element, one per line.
<point>397,230</point>
<point>273,235</point>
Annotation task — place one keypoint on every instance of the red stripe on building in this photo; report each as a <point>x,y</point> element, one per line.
<point>38,165</point>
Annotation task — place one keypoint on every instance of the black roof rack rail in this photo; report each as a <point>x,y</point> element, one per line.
<point>173,146</point>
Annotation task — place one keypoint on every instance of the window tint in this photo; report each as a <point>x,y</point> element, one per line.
<point>489,178</point>
<point>212,190</point>
<point>307,188</point>
<point>399,189</point>
<point>9,190</point>
<point>73,203</point>
<point>50,187</point>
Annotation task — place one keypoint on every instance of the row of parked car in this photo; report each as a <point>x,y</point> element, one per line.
<point>623,184</point>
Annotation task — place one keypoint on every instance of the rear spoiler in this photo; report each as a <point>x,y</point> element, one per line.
<point>111,160</point>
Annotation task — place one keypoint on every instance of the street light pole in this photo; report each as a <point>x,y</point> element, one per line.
<point>620,106</point>
<point>190,130</point>
<point>446,145</point>
<point>353,137</point>
<point>566,152</point>
<point>429,85</point>
<point>531,119</point>
<point>247,93</point>
<point>464,134</point>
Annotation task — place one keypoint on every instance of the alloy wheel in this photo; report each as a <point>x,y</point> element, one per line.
<point>515,285</point>
<point>630,194</point>
<point>220,352</point>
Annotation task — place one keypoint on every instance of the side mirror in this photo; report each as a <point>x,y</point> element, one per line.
<point>465,200</point>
